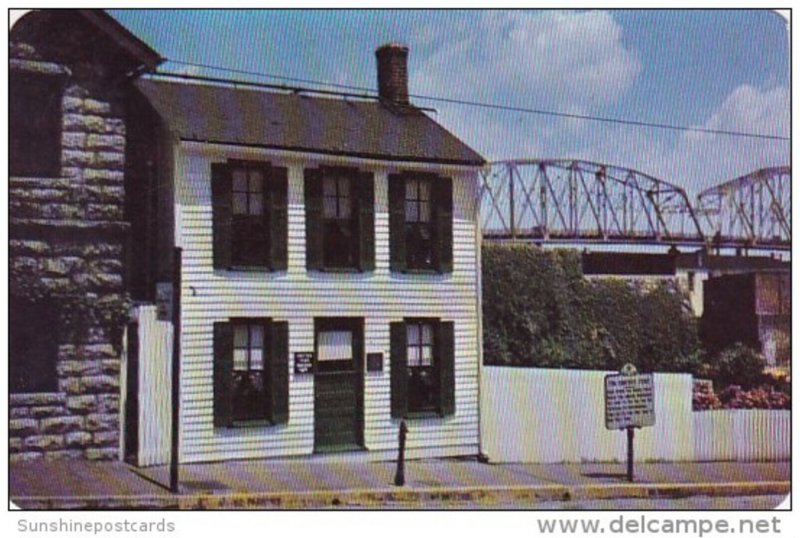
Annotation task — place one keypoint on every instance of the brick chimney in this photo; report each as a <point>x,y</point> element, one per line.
<point>393,72</point>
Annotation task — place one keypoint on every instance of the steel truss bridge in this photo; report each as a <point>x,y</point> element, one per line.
<point>574,201</point>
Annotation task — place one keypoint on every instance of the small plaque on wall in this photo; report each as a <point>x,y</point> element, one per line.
<point>304,362</point>
<point>374,362</point>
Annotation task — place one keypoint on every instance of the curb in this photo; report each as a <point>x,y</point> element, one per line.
<point>404,498</point>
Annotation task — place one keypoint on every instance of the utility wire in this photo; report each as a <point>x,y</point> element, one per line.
<point>494,106</point>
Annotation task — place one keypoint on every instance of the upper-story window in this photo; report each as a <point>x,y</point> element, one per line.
<point>419,226</point>
<point>250,215</point>
<point>35,124</point>
<point>421,222</point>
<point>339,248</point>
<point>340,220</point>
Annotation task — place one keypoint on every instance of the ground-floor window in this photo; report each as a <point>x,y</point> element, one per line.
<point>33,352</point>
<point>251,371</point>
<point>422,367</point>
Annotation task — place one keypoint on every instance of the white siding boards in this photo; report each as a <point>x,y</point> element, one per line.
<point>293,295</point>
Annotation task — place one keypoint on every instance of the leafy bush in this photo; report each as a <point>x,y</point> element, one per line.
<point>734,397</point>
<point>763,397</point>
<point>539,310</point>
<point>738,365</point>
<point>704,399</point>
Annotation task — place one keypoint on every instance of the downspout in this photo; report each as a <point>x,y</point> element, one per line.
<point>479,304</point>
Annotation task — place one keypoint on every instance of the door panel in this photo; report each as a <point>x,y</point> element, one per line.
<point>338,386</point>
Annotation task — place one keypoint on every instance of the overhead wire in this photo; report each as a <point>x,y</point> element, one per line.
<point>495,106</point>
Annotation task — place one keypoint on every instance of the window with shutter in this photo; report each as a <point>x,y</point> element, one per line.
<point>422,367</point>
<point>251,371</point>
<point>250,215</point>
<point>420,222</point>
<point>339,219</point>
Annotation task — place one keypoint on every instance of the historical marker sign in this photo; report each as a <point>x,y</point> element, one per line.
<point>629,400</point>
<point>303,362</point>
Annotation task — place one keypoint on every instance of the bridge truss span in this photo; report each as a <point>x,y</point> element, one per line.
<point>579,201</point>
<point>754,210</point>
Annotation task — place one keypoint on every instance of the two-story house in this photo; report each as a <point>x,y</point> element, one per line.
<point>330,272</point>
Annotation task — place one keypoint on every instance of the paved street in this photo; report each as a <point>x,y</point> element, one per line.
<point>754,502</point>
<point>327,482</point>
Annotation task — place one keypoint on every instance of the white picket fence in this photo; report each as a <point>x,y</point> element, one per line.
<point>742,435</point>
<point>540,415</point>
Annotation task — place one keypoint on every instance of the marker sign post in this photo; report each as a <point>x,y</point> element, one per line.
<point>630,404</point>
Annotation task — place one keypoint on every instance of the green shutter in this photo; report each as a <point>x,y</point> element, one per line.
<point>366,221</point>
<point>221,190</point>
<point>278,374</point>
<point>314,225</point>
<point>399,367</point>
<point>443,233</point>
<point>223,374</point>
<point>397,223</point>
<point>446,356</point>
<point>278,226</point>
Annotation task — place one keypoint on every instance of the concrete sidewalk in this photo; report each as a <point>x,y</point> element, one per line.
<point>329,482</point>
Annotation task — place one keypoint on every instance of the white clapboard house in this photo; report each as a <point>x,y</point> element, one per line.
<point>330,273</point>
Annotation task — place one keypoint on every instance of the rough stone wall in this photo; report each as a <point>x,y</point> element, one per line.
<point>67,235</point>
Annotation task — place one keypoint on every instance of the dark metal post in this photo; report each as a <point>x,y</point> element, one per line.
<point>176,369</point>
<point>630,453</point>
<point>400,475</point>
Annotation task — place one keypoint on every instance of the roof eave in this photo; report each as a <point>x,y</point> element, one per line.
<point>138,49</point>
<point>338,153</point>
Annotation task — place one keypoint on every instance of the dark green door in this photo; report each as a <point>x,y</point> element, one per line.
<point>338,386</point>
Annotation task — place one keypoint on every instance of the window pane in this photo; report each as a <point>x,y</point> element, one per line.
<point>240,337</point>
<point>329,207</point>
<point>256,204</point>
<point>334,345</point>
<point>329,186</point>
<point>424,190</point>
<point>240,359</point>
<point>239,203</point>
<point>256,181</point>
<point>239,180</point>
<point>427,356</point>
<point>413,356</point>
<point>344,208</point>
<point>256,359</point>
<point>256,336</point>
<point>424,212</point>
<point>427,334</point>
<point>412,334</point>
<point>344,186</point>
<point>412,187</point>
<point>412,211</point>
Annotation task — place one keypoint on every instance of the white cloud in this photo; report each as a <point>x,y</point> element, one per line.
<point>572,60</point>
<point>704,159</point>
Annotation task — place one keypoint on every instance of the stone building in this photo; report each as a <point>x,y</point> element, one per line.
<point>69,77</point>
<point>754,309</point>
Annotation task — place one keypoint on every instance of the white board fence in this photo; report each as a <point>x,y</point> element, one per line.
<point>540,415</point>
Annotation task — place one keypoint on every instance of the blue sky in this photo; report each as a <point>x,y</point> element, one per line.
<point>712,69</point>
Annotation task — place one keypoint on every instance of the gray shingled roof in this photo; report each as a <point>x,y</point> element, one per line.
<point>230,115</point>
